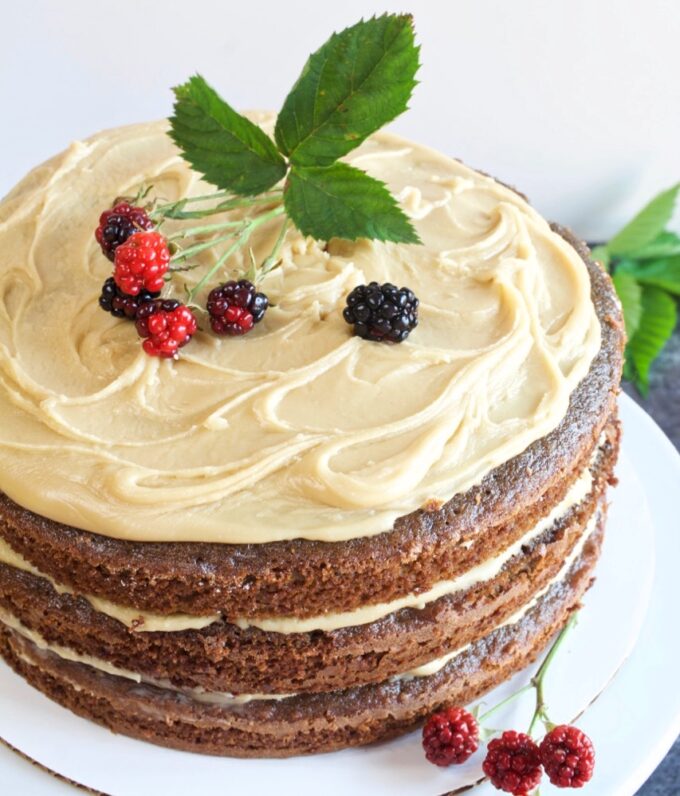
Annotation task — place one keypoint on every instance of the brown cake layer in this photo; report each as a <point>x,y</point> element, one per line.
<point>305,578</point>
<point>223,657</point>
<point>305,723</point>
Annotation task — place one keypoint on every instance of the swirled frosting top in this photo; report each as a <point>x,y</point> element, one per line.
<point>299,429</point>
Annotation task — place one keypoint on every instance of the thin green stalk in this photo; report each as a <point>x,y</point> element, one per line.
<point>178,269</point>
<point>273,258</point>
<point>540,712</point>
<point>176,210</point>
<point>200,247</point>
<point>205,197</point>
<point>242,239</point>
<point>505,702</point>
<point>191,231</point>
<point>536,683</point>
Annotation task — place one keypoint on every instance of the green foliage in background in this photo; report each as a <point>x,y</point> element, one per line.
<point>644,260</point>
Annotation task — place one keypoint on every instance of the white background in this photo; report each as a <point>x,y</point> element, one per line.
<point>576,102</point>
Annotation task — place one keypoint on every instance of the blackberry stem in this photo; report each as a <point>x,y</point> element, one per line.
<point>248,229</point>
<point>199,247</point>
<point>505,702</point>
<point>540,712</point>
<point>191,231</point>
<point>536,683</point>
<point>175,210</point>
<point>273,258</point>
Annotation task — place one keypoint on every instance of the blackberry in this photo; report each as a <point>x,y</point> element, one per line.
<point>166,325</point>
<point>119,304</point>
<point>141,263</point>
<point>235,307</point>
<point>384,313</point>
<point>568,757</point>
<point>117,224</point>
<point>450,736</point>
<point>513,763</point>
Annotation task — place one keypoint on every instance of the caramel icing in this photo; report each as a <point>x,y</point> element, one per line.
<point>298,430</point>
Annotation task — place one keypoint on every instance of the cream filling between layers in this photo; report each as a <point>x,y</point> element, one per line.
<point>130,617</point>
<point>434,666</point>
<point>220,698</point>
<point>146,621</point>
<point>299,430</point>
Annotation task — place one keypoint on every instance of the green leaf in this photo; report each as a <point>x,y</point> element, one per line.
<point>359,80</point>
<point>657,321</point>
<point>228,149</point>
<point>630,295</point>
<point>666,244</point>
<point>646,225</point>
<point>340,201</point>
<point>601,255</point>
<point>629,372</point>
<point>658,273</point>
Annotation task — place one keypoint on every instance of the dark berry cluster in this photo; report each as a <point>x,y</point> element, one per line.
<point>450,737</point>
<point>513,763</point>
<point>384,313</point>
<point>117,224</point>
<point>568,757</point>
<point>141,258</point>
<point>119,304</point>
<point>166,326</point>
<point>235,307</point>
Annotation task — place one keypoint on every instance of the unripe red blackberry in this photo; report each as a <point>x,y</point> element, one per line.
<point>450,736</point>
<point>513,763</point>
<point>568,757</point>
<point>141,263</point>
<point>166,326</point>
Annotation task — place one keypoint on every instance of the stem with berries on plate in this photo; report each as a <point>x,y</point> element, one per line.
<point>514,761</point>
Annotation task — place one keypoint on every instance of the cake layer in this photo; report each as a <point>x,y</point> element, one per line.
<point>199,694</point>
<point>225,657</point>
<point>306,578</point>
<point>147,621</point>
<point>303,723</point>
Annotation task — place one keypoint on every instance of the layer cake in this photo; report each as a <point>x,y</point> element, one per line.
<point>300,540</point>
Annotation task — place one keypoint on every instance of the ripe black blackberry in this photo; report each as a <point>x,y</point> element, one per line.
<point>117,224</point>
<point>235,307</point>
<point>384,313</point>
<point>119,304</point>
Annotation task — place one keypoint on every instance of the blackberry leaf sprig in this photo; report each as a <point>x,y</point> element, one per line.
<point>644,260</point>
<point>359,80</point>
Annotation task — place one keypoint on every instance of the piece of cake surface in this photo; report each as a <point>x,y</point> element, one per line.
<point>224,448</point>
<point>298,540</point>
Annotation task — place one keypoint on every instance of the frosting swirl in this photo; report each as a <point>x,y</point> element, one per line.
<point>298,430</point>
